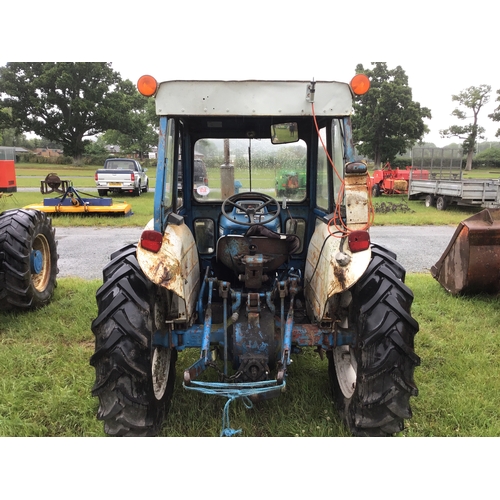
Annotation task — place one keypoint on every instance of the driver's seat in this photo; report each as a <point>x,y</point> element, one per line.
<point>258,252</point>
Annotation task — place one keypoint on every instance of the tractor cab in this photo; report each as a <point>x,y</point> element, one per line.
<point>269,254</point>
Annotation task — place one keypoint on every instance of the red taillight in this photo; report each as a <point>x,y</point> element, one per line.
<point>95,176</point>
<point>151,240</point>
<point>358,241</point>
<point>132,176</point>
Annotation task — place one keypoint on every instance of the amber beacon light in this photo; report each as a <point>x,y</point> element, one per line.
<point>147,85</point>
<point>360,84</point>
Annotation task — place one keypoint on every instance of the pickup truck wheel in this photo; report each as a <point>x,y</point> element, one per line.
<point>137,191</point>
<point>372,381</point>
<point>102,192</point>
<point>134,379</point>
<point>28,259</point>
<point>441,203</point>
<point>145,189</point>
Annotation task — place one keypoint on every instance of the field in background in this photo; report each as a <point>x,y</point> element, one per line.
<point>392,210</point>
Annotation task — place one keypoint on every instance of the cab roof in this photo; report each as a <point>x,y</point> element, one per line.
<point>252,98</point>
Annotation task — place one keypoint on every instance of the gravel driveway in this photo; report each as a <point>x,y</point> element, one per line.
<point>83,251</point>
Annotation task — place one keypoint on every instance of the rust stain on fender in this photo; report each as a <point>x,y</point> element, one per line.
<point>176,265</point>
<point>323,275</point>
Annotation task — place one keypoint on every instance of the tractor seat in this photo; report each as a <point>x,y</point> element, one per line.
<point>260,249</point>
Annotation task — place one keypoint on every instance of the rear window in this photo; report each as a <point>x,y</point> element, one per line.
<point>120,165</point>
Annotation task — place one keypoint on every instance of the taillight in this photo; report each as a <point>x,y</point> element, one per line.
<point>151,240</point>
<point>95,176</point>
<point>358,241</point>
<point>132,176</point>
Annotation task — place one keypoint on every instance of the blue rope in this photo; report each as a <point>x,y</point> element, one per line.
<point>227,431</point>
<point>232,392</point>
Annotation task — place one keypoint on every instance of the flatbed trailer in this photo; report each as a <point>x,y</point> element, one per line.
<point>446,186</point>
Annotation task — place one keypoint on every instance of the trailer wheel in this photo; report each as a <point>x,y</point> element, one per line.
<point>28,259</point>
<point>372,381</point>
<point>376,191</point>
<point>134,380</point>
<point>441,203</point>
<point>429,200</point>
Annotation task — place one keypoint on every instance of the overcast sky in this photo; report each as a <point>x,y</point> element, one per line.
<point>442,50</point>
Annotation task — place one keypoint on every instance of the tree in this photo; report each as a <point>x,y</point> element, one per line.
<point>495,116</point>
<point>143,131</point>
<point>473,98</point>
<point>67,102</point>
<point>386,120</point>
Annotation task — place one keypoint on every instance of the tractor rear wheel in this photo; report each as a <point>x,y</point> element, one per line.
<point>134,380</point>
<point>376,191</point>
<point>373,381</point>
<point>28,259</point>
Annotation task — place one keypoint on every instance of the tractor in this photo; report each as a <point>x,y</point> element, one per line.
<point>249,280</point>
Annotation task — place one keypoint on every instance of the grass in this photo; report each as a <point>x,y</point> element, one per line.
<point>46,378</point>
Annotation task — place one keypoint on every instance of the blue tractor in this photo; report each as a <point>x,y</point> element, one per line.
<point>247,279</point>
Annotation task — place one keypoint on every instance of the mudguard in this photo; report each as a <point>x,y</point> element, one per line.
<point>325,276</point>
<point>176,266</point>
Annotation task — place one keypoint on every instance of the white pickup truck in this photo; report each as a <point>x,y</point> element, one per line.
<point>121,175</point>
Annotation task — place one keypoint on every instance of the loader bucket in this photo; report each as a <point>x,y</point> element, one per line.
<point>471,262</point>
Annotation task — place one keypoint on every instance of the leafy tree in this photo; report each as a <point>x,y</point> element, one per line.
<point>472,98</point>
<point>386,120</point>
<point>67,102</point>
<point>143,131</point>
<point>96,147</point>
<point>495,116</point>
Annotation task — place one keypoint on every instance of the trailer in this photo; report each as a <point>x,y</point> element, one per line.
<point>445,184</point>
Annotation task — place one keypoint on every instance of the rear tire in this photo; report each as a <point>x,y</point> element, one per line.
<point>429,200</point>
<point>441,203</point>
<point>28,259</point>
<point>134,381</point>
<point>145,189</point>
<point>376,191</point>
<point>102,192</point>
<point>373,381</point>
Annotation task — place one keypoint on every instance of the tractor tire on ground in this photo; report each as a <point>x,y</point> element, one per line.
<point>28,259</point>
<point>134,381</point>
<point>372,382</point>
<point>376,191</point>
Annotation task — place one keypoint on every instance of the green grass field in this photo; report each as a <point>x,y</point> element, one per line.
<point>46,376</point>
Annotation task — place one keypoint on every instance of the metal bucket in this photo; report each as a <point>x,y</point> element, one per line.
<point>471,262</point>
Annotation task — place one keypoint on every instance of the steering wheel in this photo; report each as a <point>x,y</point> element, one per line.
<point>235,201</point>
